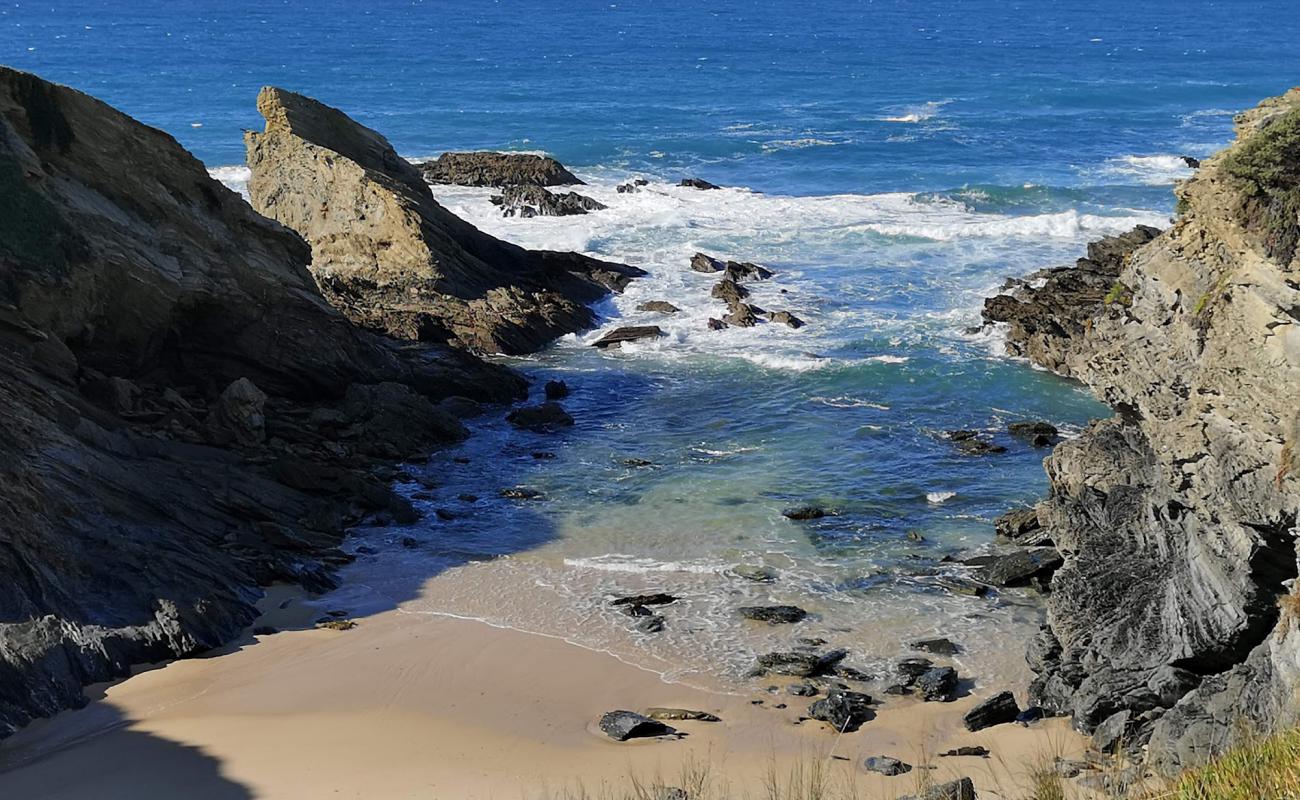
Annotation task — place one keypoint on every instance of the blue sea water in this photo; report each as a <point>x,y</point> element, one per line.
<point>893,161</point>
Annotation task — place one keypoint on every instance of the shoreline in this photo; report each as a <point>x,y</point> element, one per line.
<point>419,705</point>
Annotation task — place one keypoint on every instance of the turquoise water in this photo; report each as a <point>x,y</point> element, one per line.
<point>892,161</point>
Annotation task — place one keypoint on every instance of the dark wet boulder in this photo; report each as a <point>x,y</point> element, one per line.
<point>633,185</point>
<point>970,443</point>
<point>623,725</point>
<point>630,333</point>
<point>909,669</point>
<point>1037,433</point>
<point>729,292</point>
<point>701,262</point>
<point>659,306</point>
<point>461,407</point>
<point>517,493</point>
<point>999,709</point>
<point>545,417</point>
<point>798,664</point>
<point>556,390</point>
<point>960,789</point>
<point>940,646</point>
<point>653,623</point>
<point>742,315</point>
<point>534,201</point>
<point>938,685</point>
<point>844,710</point>
<point>715,324</point>
<point>1021,567</point>
<point>802,690</point>
<point>1030,715</point>
<point>497,169</point>
<point>745,271</point>
<point>886,765</point>
<point>804,513</point>
<point>785,318</point>
<point>773,615</point>
<point>654,599</point>
<point>698,183</point>
<point>683,714</point>
<point>1194,163</point>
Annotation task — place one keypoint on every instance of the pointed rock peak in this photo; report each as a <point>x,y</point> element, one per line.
<point>330,128</point>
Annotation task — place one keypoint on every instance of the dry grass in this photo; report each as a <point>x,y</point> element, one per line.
<point>1262,768</point>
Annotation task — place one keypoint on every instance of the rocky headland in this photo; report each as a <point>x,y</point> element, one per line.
<point>393,259</point>
<point>1172,621</point>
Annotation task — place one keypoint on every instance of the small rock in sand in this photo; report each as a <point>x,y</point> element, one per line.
<point>624,725</point>
<point>886,765</point>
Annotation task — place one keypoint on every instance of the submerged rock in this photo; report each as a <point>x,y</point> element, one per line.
<point>804,513</point>
<point>623,725</point>
<point>488,168</point>
<point>544,417</point>
<point>758,573</point>
<point>716,324</point>
<point>630,333</point>
<point>1039,434</point>
<point>772,615</point>
<point>940,646</point>
<point>654,599</point>
<point>556,390</point>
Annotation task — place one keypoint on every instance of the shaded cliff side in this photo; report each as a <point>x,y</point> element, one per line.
<point>184,417</point>
<point>393,259</point>
<point>1174,616</point>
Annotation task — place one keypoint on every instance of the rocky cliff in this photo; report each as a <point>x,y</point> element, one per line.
<point>184,416</point>
<point>393,259</point>
<point>1173,621</point>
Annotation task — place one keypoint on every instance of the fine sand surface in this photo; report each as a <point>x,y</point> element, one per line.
<point>418,706</point>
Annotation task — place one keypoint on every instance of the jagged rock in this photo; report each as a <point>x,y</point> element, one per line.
<point>743,270</point>
<point>393,259</point>
<point>797,664</point>
<point>960,789</point>
<point>623,725</point>
<point>1112,731</point>
<point>660,306</point>
<point>844,710</point>
<point>716,324</point>
<point>534,201</point>
<point>997,710</point>
<point>1039,434</point>
<point>1020,567</point>
<point>729,292</point>
<point>970,443</point>
<point>1022,527</point>
<point>742,315</point>
<point>633,185</point>
<point>653,623</point>
<point>238,415</point>
<point>973,751</point>
<point>129,541</point>
<point>655,599</point>
<point>1194,163</point>
<point>706,263</point>
<point>939,646</point>
<point>938,684</point>
<point>630,333</point>
<point>697,183</point>
<point>785,318</point>
<point>544,417</point>
<point>1178,516</point>
<point>488,168</point>
<point>672,714</point>
<point>886,765</point>
<point>773,615</point>
<point>555,390</point>
<point>909,669</point>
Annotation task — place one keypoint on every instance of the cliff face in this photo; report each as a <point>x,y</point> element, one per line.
<point>184,416</point>
<point>1175,613</point>
<point>387,254</point>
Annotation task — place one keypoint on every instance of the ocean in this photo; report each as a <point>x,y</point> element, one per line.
<point>893,162</point>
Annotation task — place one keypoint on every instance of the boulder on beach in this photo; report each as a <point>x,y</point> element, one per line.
<point>1021,567</point>
<point>844,710</point>
<point>886,765</point>
<point>487,168</point>
<point>939,646</point>
<point>623,725</point>
<point>798,664</point>
<point>938,684</point>
<point>999,709</point>
<point>629,333</point>
<point>653,599</point>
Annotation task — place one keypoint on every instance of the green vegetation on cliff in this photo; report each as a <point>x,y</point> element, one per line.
<point>1268,163</point>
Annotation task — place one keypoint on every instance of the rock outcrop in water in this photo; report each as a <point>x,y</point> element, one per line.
<point>489,168</point>
<point>393,259</point>
<point>1173,620</point>
<point>184,416</point>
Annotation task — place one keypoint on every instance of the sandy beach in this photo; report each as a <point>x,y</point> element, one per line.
<point>412,705</point>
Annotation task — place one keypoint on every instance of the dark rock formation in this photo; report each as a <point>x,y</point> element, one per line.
<point>1039,434</point>
<point>660,306</point>
<point>940,646</point>
<point>970,443</point>
<point>534,201</point>
<point>773,615</point>
<point>623,725</point>
<point>729,292</point>
<point>486,168</point>
<point>1178,516</point>
<point>697,183</point>
<point>785,318</point>
<point>701,262</point>
<point>970,751</point>
<point>960,789</point>
<point>999,709</point>
<point>1021,567</point>
<point>394,260</point>
<point>1021,526</point>
<point>184,416</point>
<point>743,270</point>
<point>716,324</point>
<point>545,417</point>
<point>938,684</point>
<point>804,513</point>
<point>844,710</point>
<point>556,390</point>
<point>742,315</point>
<point>655,599</point>
<point>798,664</point>
<point>886,765</point>
<point>631,333</point>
